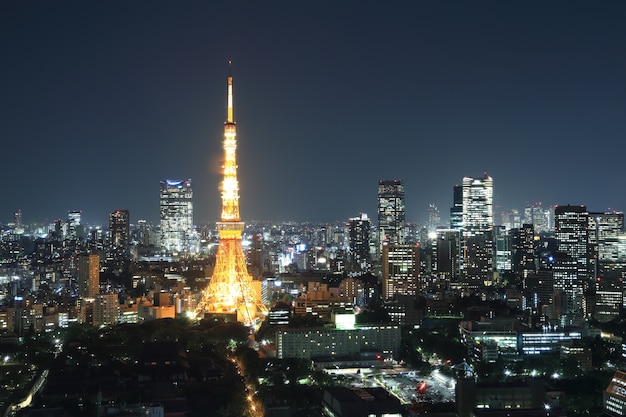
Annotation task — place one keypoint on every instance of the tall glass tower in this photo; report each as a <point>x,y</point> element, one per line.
<point>176,215</point>
<point>358,229</point>
<point>119,230</point>
<point>571,270</point>
<point>391,221</point>
<point>477,231</point>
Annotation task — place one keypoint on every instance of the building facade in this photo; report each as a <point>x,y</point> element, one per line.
<point>391,213</point>
<point>572,262</point>
<point>337,344</point>
<point>359,241</point>
<point>176,207</point>
<point>88,275</point>
<point>400,270</point>
<point>119,230</point>
<point>477,264</point>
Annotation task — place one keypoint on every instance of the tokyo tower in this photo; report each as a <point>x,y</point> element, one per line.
<point>230,293</point>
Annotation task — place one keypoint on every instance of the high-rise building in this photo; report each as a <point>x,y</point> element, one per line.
<point>119,230</point>
<point>609,299</point>
<point>176,205</point>
<point>434,218</point>
<point>605,234</point>
<point>400,265</point>
<point>359,240</point>
<point>88,275</point>
<point>614,396</point>
<point>541,218</point>
<point>503,247</point>
<point>231,293</point>
<point>258,259</point>
<point>447,254</point>
<point>524,249</point>
<point>74,228</point>
<point>106,310</point>
<point>571,269</point>
<point>391,216</point>
<point>456,211</point>
<point>477,231</point>
<point>18,219</point>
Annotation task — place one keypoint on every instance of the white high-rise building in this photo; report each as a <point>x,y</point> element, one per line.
<point>176,216</point>
<point>477,231</point>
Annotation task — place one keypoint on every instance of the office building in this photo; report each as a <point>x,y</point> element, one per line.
<point>447,254</point>
<point>88,275</point>
<point>391,216</point>
<point>176,205</point>
<point>614,397</point>
<point>434,218</point>
<point>609,299</point>
<point>119,230</point>
<point>517,398</point>
<point>360,402</point>
<point>605,233</point>
<point>74,228</point>
<point>541,218</point>
<point>358,230</point>
<point>523,241</point>
<point>456,211</point>
<point>106,310</point>
<point>477,264</point>
<point>400,270</point>
<point>503,246</point>
<point>328,344</point>
<point>571,268</point>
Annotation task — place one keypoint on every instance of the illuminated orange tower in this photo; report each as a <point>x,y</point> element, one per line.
<point>230,292</point>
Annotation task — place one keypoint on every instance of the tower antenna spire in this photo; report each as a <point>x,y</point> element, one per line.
<point>230,118</point>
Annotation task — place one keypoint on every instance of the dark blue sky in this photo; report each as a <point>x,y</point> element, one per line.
<point>99,101</point>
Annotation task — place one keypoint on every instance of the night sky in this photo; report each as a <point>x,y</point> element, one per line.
<point>101,100</point>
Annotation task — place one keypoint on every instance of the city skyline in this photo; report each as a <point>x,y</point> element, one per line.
<point>104,101</point>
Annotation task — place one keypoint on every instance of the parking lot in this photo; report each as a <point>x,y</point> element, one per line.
<point>406,384</point>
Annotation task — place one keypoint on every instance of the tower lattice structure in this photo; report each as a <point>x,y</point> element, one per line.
<point>230,291</point>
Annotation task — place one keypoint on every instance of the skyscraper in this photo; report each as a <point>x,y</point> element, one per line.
<point>74,228</point>
<point>176,205</point>
<point>119,230</point>
<point>524,249</point>
<point>231,294</point>
<point>605,234</point>
<point>106,310</point>
<point>391,221</point>
<point>18,219</point>
<point>446,254</point>
<point>456,211</point>
<point>571,269</point>
<point>541,218</point>
<point>400,270</point>
<point>477,231</point>
<point>434,218</point>
<point>88,275</point>
<point>359,240</point>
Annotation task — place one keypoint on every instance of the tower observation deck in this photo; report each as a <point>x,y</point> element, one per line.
<point>230,293</point>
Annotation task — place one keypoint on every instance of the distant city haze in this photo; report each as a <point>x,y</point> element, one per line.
<point>103,101</point>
